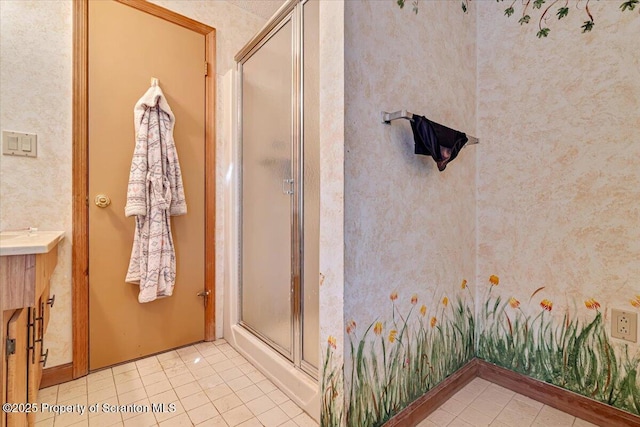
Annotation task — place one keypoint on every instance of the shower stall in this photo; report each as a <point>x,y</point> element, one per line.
<point>272,301</point>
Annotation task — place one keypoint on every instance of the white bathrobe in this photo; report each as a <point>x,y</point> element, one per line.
<point>154,193</point>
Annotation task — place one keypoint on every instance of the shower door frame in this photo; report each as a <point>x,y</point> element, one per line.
<point>292,12</point>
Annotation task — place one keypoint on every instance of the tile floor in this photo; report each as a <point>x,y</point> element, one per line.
<point>206,384</point>
<point>211,384</point>
<point>481,403</point>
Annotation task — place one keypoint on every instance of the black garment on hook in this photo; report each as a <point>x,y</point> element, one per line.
<point>435,140</point>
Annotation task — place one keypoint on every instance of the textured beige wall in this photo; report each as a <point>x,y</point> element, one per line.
<point>35,96</point>
<point>409,228</point>
<point>559,163</point>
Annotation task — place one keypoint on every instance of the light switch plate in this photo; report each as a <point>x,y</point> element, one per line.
<point>19,144</point>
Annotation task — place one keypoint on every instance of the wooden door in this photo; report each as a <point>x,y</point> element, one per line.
<point>126,48</point>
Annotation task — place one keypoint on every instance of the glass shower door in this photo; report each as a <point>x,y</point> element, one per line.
<point>267,189</point>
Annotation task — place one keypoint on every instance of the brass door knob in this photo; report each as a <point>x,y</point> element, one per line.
<point>102,201</point>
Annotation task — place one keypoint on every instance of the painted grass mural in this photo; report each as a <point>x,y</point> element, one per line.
<point>396,360</point>
<point>399,357</point>
<point>571,353</point>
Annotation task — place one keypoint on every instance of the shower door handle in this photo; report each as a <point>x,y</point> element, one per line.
<point>287,186</point>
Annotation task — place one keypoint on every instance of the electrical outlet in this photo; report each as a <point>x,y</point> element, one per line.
<point>624,325</point>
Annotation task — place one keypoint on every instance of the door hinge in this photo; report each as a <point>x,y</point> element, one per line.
<point>86,200</point>
<point>11,346</point>
<point>206,68</point>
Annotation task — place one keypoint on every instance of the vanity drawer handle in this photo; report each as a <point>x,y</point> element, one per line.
<point>44,356</point>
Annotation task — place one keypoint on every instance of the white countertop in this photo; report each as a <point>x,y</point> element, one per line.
<point>27,242</point>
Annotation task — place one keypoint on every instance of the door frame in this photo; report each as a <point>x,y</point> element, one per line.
<point>80,151</point>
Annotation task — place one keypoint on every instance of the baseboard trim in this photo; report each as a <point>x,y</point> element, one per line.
<point>430,401</point>
<point>567,401</point>
<point>57,375</point>
<point>559,398</point>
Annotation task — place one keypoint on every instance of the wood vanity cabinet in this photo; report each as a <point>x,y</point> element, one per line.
<point>25,301</point>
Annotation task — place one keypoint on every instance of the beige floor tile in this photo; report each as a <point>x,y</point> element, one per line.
<point>126,376</point>
<point>485,405</point>
<point>203,413</point>
<point>453,406</point>
<point>304,420</point>
<point>277,396</point>
<point>440,417</point>
<point>180,420</point>
<point>216,358</point>
<point>181,379</point>
<point>239,383</point>
<point>426,423</point>
<point>551,416</point>
<point>105,419</point>
<point>249,393</point>
<point>124,387</point>
<point>64,395</point>
<point>99,375</point>
<point>457,422</point>
<point>202,371</point>
<point>187,389</point>
<point>501,424</point>
<point>80,399</point>
<point>140,403</point>
<point>289,423</point>
<point>527,407</point>
<point>69,419</point>
<point>42,416</point>
<point>227,403</point>
<point>100,395</point>
<point>172,410</point>
<point>218,391</point>
<point>260,405</point>
<point>195,400</point>
<point>167,356</point>
<point>172,365</point>
<point>223,365</point>
<point>237,415</point>
<point>252,422</point>
<point>582,423</point>
<point>266,386</point>
<point>132,396</point>
<point>151,369</point>
<point>147,361</point>
<point>210,382</point>
<point>69,385</point>
<point>176,369</point>
<point>123,368</point>
<point>49,422</point>
<point>290,408</point>
<point>273,417</point>
<point>165,397</point>
<point>49,393</point>
<point>256,376</point>
<point>102,407</point>
<point>475,418</point>
<point>157,388</point>
<point>510,416</point>
<point>230,374</point>
<point>146,419</point>
<point>214,422</point>
<point>153,378</point>
<point>100,384</point>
